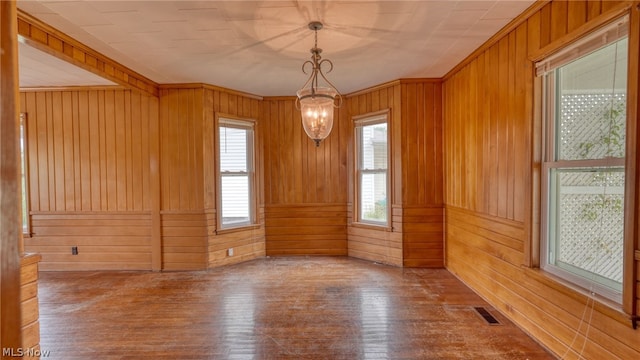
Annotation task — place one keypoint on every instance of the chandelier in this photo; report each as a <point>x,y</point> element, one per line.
<point>316,102</point>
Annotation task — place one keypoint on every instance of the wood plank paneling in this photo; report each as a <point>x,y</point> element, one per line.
<point>184,241</point>
<point>416,175</point>
<point>181,124</point>
<point>247,243</point>
<point>306,229</point>
<point>302,180</point>
<point>78,153</point>
<point>105,241</point>
<point>89,172</point>
<point>553,314</point>
<point>577,12</point>
<point>90,151</point>
<point>423,236</point>
<point>375,245</point>
<point>488,137</point>
<point>90,155</point>
<point>296,171</point>
<point>422,173</point>
<point>188,183</point>
<point>379,243</point>
<point>479,135</point>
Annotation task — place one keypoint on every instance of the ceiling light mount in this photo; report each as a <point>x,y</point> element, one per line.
<point>315,25</point>
<point>315,102</point>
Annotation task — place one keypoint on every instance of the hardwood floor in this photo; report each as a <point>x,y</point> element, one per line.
<point>273,308</point>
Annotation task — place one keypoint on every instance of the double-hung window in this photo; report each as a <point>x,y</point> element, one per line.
<point>583,173</point>
<point>372,163</point>
<point>236,190</point>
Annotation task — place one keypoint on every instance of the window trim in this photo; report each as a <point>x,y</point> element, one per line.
<point>548,162</point>
<point>377,117</point>
<point>231,121</point>
<point>24,186</point>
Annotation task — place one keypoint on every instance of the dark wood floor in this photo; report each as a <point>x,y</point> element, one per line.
<point>273,308</point>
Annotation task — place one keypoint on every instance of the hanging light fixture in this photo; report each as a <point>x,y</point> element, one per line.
<point>316,102</point>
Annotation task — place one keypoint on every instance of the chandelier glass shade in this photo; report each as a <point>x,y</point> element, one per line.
<point>316,103</point>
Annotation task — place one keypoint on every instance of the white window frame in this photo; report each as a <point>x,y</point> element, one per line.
<point>24,175</point>
<point>547,68</point>
<point>249,126</point>
<point>359,122</point>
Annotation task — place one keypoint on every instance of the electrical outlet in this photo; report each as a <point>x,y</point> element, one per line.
<point>74,250</point>
<point>230,252</point>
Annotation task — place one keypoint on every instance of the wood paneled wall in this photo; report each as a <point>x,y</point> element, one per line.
<point>105,241</point>
<point>416,234</point>
<point>304,201</point>
<point>184,240</point>
<point>189,236</point>
<point>422,174</point>
<point>379,245</point>
<point>88,150</point>
<point>373,243</point>
<point>248,243</point>
<point>91,155</point>
<point>181,149</point>
<point>422,142</point>
<point>306,229</point>
<point>488,144</point>
<point>184,227</point>
<point>305,186</point>
<point>489,167</point>
<point>88,159</point>
<point>296,171</point>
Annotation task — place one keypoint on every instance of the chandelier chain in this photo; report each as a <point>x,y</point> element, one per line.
<point>316,38</point>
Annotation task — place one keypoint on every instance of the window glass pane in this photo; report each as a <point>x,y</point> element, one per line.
<point>586,235</point>
<point>591,111</point>
<point>373,152</point>
<point>235,194</point>
<point>373,199</point>
<point>233,149</point>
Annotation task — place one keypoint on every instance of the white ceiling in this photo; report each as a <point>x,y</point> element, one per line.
<point>39,69</point>
<point>259,46</point>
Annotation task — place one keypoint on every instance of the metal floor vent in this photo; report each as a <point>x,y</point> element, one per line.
<point>486,316</point>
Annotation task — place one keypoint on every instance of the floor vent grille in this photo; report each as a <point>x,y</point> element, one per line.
<point>487,316</point>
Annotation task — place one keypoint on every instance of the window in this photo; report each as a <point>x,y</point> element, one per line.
<point>584,161</point>
<point>23,172</point>
<point>372,162</point>
<point>236,191</point>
